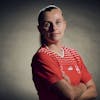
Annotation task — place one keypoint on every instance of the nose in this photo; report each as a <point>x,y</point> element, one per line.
<point>53,27</point>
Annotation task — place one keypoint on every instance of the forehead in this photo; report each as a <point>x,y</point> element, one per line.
<point>53,14</point>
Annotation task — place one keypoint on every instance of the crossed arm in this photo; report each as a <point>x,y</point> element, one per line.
<point>65,90</point>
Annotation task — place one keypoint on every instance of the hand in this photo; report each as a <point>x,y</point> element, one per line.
<point>66,77</point>
<point>79,90</point>
<point>83,87</point>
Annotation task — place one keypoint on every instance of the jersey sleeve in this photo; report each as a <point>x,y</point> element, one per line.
<point>45,68</point>
<point>85,74</point>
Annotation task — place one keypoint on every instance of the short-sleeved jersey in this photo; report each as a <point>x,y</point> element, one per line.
<point>48,66</point>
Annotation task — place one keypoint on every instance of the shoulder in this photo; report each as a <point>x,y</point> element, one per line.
<point>71,50</point>
<point>74,52</point>
<point>41,55</point>
<point>42,60</point>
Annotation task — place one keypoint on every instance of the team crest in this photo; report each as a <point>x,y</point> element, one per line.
<point>77,69</point>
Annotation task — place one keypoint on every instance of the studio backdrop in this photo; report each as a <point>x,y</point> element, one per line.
<point>19,40</point>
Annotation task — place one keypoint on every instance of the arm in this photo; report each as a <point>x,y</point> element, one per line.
<point>84,91</point>
<point>78,90</point>
<point>90,92</point>
<point>65,90</point>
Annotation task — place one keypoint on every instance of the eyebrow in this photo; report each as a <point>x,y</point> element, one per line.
<point>46,22</point>
<point>56,19</point>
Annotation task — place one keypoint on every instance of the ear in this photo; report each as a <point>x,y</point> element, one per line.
<point>39,28</point>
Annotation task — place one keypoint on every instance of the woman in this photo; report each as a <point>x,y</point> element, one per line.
<point>59,72</point>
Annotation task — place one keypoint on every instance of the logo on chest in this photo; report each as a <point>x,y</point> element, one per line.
<point>76,67</point>
<point>70,68</point>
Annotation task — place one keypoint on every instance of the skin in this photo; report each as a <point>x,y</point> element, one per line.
<point>53,30</point>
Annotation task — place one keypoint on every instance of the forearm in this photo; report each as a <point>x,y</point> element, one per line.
<point>89,94</point>
<point>78,90</point>
<point>82,91</point>
<point>64,90</point>
<point>75,91</point>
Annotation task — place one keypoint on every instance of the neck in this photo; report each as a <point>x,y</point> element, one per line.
<point>55,46</point>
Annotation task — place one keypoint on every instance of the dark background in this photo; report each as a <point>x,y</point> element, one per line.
<point>19,40</point>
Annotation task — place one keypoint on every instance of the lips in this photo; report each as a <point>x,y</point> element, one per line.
<point>55,33</point>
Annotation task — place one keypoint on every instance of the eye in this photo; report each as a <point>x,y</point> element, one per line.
<point>46,25</point>
<point>58,22</point>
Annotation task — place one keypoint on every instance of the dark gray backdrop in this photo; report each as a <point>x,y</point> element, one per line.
<point>19,40</point>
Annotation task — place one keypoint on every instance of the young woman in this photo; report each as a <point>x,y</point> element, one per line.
<point>59,72</point>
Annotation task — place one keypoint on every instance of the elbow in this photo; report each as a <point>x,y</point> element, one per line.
<point>69,96</point>
<point>95,94</point>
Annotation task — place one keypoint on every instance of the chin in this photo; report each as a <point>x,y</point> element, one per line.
<point>54,41</point>
<point>57,38</point>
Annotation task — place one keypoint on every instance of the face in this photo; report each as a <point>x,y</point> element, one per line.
<point>53,26</point>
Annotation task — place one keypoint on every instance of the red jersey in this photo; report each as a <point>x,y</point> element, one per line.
<point>47,69</point>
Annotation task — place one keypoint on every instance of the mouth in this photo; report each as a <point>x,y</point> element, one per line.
<point>55,33</point>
